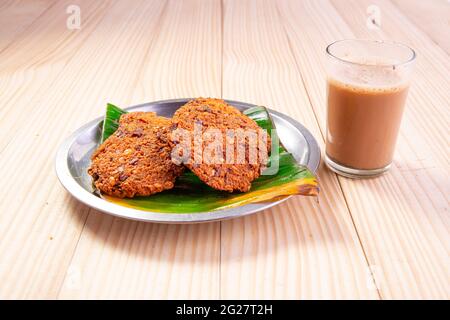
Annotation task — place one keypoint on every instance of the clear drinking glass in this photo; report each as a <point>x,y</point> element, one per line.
<point>367,86</point>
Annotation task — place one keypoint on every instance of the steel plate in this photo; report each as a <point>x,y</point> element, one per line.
<point>73,159</point>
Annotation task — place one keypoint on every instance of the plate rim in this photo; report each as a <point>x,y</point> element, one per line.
<point>93,201</point>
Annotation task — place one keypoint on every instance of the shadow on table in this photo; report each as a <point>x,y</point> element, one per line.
<point>298,222</point>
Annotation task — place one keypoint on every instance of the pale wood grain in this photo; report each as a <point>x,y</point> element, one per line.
<point>433,17</point>
<point>124,259</point>
<point>31,64</point>
<point>302,248</point>
<point>402,217</point>
<point>409,207</point>
<point>17,16</point>
<point>32,217</point>
<point>53,80</point>
<point>39,219</point>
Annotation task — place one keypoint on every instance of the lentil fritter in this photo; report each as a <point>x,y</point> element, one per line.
<point>218,115</point>
<point>136,159</point>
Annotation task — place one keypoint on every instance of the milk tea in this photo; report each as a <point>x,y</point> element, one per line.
<point>363,123</point>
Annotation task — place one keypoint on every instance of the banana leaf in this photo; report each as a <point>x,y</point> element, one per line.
<point>111,122</point>
<point>191,195</point>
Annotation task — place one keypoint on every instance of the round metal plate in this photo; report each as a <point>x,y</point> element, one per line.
<point>73,159</point>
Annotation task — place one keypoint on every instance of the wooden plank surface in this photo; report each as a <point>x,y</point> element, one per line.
<point>117,258</point>
<point>302,248</point>
<point>373,211</point>
<point>18,16</point>
<point>379,238</point>
<point>432,17</point>
<point>31,65</point>
<point>35,209</point>
<point>402,220</point>
<point>413,204</point>
<point>46,226</point>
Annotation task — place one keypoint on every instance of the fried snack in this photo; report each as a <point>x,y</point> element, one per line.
<point>216,114</point>
<point>135,160</point>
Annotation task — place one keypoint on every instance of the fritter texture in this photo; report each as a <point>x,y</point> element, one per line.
<point>216,114</point>
<point>135,160</point>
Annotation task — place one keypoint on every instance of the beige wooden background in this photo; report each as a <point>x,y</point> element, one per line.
<point>378,239</point>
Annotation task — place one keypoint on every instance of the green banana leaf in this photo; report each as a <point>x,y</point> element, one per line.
<point>111,122</point>
<point>191,195</point>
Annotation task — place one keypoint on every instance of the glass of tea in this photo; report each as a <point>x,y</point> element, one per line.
<point>367,85</point>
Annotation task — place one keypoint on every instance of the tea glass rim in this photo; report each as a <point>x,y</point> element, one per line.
<point>399,44</point>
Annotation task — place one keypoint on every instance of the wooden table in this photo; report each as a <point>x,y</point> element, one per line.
<point>380,238</point>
